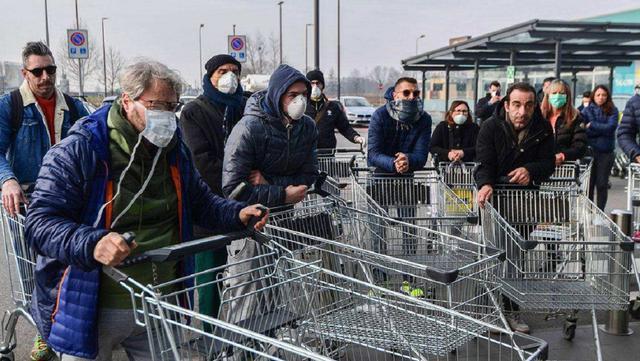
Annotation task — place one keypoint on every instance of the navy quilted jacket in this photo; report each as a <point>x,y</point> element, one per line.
<point>69,191</point>
<point>629,128</point>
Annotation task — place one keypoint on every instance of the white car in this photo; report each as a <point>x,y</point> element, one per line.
<point>358,109</point>
<point>183,101</point>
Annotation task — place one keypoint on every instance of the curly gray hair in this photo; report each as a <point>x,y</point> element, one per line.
<point>139,76</point>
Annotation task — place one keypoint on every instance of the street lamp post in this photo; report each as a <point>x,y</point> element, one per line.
<point>200,47</point>
<point>104,59</point>
<point>306,47</point>
<point>316,34</point>
<point>280,9</point>
<point>338,65</point>
<point>418,39</point>
<point>80,80</point>
<point>46,21</point>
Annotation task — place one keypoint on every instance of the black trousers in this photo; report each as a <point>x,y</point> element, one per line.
<point>601,168</point>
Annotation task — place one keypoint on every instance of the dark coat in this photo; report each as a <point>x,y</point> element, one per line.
<point>483,109</point>
<point>629,127</point>
<point>334,118</point>
<point>260,141</point>
<point>447,137</point>
<point>571,140</point>
<point>498,151</point>
<point>602,128</point>
<point>388,136</point>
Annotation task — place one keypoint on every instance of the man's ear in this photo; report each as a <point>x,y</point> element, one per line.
<point>506,105</point>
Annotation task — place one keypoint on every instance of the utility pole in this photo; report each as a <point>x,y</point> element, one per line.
<point>306,47</point>
<point>316,23</point>
<point>200,46</point>
<point>338,49</point>
<point>280,5</point>
<point>234,29</point>
<point>104,59</point>
<point>46,21</point>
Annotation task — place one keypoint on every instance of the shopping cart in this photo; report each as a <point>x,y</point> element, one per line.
<point>563,253</point>
<point>633,197</point>
<point>337,164</point>
<point>452,272</point>
<point>459,176</point>
<point>301,310</point>
<point>21,262</point>
<point>419,198</point>
<point>574,176</point>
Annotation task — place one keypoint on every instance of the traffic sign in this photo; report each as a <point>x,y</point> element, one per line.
<point>78,43</point>
<point>237,45</point>
<point>511,74</point>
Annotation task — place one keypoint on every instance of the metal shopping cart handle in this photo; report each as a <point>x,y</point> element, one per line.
<point>181,250</point>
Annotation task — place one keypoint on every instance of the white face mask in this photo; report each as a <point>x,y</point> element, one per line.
<point>316,93</point>
<point>585,104</point>
<point>295,109</point>
<point>228,83</point>
<point>459,119</point>
<point>161,125</point>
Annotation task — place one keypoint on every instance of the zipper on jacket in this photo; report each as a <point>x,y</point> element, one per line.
<point>289,126</point>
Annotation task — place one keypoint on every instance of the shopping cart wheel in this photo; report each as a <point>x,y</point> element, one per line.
<point>7,356</point>
<point>569,330</point>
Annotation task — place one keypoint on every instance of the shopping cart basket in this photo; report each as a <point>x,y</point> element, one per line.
<point>21,262</point>
<point>574,176</point>
<point>459,176</point>
<point>633,197</point>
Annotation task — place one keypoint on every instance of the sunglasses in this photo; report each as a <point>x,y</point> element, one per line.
<point>407,92</point>
<point>37,72</point>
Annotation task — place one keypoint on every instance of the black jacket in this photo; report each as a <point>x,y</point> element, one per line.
<point>334,118</point>
<point>498,152</point>
<point>447,137</point>
<point>571,140</point>
<point>483,109</point>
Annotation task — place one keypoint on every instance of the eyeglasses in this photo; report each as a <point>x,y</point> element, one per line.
<point>37,72</point>
<point>407,92</point>
<point>463,111</point>
<point>160,105</point>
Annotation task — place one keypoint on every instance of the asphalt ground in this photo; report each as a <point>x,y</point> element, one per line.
<point>582,347</point>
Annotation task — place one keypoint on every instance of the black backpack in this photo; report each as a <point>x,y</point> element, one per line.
<point>17,106</point>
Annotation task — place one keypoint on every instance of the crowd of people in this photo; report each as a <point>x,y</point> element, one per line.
<point>85,179</point>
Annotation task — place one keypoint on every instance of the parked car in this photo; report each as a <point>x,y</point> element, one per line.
<point>183,101</point>
<point>358,109</point>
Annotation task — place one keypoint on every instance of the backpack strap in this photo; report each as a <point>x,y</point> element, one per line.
<point>73,111</point>
<point>17,106</point>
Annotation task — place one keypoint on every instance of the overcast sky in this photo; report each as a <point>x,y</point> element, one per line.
<point>374,32</point>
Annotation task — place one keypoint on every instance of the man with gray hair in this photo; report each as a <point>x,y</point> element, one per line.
<point>32,119</point>
<point>123,168</point>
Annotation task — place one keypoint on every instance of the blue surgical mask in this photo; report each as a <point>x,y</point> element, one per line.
<point>557,100</point>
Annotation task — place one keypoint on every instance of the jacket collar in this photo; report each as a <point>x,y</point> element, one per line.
<point>29,98</point>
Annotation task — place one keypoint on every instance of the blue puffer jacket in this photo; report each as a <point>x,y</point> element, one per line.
<point>388,136</point>
<point>32,138</point>
<point>629,128</point>
<point>70,189</point>
<point>285,155</point>
<point>602,129</point>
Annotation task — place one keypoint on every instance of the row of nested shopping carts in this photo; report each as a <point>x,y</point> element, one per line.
<point>375,266</point>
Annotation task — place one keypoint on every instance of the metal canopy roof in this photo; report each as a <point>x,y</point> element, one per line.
<point>570,45</point>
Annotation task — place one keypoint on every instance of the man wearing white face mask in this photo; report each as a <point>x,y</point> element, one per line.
<point>124,168</point>
<point>206,123</point>
<point>328,115</point>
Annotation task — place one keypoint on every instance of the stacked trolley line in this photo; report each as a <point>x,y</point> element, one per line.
<point>633,197</point>
<point>563,253</point>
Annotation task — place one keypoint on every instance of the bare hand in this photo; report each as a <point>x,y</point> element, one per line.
<point>401,163</point>
<point>295,194</point>
<point>12,196</point>
<point>494,99</point>
<point>638,159</point>
<point>256,178</point>
<point>361,140</point>
<point>452,155</point>
<point>484,194</point>
<point>112,249</point>
<point>559,158</point>
<point>254,211</point>
<point>519,176</point>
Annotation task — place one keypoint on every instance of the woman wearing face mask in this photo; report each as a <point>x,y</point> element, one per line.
<point>601,121</point>
<point>455,139</point>
<point>566,121</point>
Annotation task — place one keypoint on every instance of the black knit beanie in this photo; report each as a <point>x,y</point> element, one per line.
<point>218,61</point>
<point>316,75</point>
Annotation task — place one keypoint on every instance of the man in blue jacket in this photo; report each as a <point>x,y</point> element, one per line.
<point>32,119</point>
<point>123,168</point>
<point>400,131</point>
<point>630,126</point>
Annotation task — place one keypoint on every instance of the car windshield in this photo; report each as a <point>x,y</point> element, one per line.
<point>356,102</point>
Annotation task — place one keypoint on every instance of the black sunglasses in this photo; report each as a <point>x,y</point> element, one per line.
<point>407,92</point>
<point>37,72</point>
